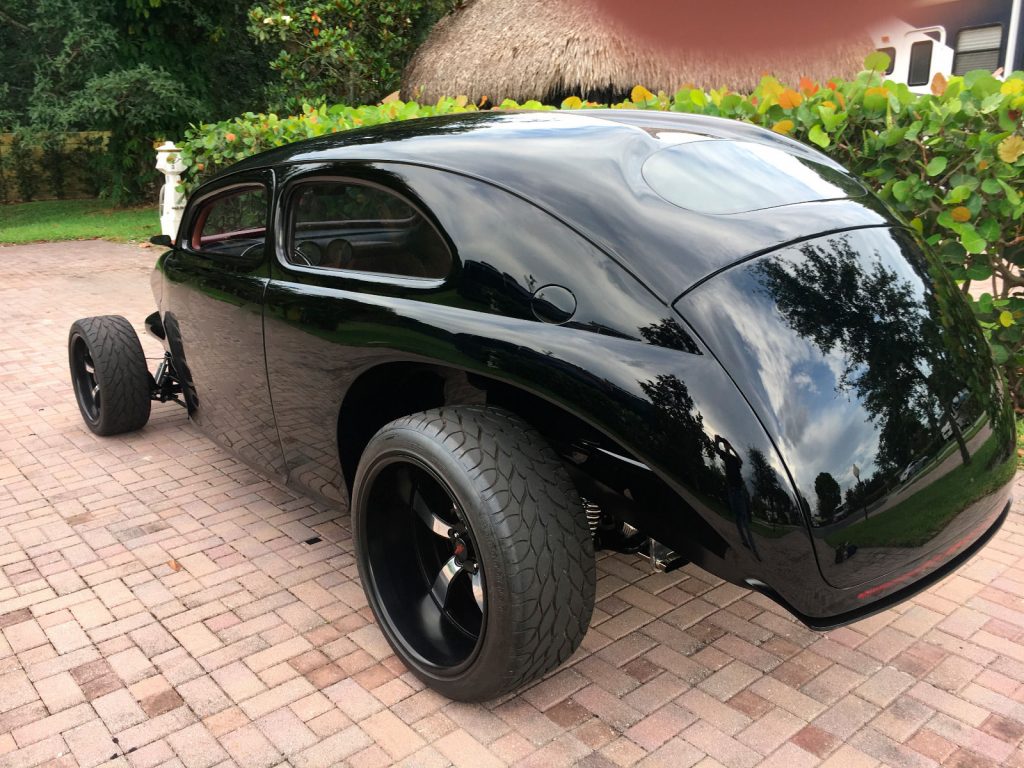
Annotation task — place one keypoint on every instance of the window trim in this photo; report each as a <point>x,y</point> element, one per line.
<point>285,237</point>
<point>201,206</point>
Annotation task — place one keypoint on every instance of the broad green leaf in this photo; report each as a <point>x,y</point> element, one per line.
<point>731,102</point>
<point>829,118</point>
<point>970,239</point>
<point>979,272</point>
<point>893,136</point>
<point>958,194</point>
<point>819,137</point>
<point>1005,319</point>
<point>1011,194</point>
<point>936,165</point>
<point>901,190</point>
<point>876,98</point>
<point>965,180</point>
<point>991,187</point>
<point>991,103</point>
<point>981,83</point>
<point>989,229</point>
<point>877,61</point>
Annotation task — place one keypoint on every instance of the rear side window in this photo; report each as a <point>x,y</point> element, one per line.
<point>358,227</point>
<point>978,49</point>
<point>231,223</point>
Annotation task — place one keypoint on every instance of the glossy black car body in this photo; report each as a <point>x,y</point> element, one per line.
<point>734,346</point>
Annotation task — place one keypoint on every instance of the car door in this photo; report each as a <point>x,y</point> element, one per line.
<point>212,303</point>
<point>351,251</point>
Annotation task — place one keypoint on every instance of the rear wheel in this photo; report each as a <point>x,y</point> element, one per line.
<point>108,371</point>
<point>473,549</point>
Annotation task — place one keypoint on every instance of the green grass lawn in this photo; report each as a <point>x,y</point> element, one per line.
<point>917,519</point>
<point>76,220</point>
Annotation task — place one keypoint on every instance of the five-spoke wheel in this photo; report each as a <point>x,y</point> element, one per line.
<point>473,549</point>
<point>423,556</point>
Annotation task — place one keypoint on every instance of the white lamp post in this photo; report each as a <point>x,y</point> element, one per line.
<point>172,203</point>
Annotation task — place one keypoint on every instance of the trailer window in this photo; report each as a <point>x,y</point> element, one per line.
<point>978,48</point>
<point>920,63</point>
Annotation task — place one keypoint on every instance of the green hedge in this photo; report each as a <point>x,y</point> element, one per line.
<point>950,161</point>
<point>43,166</point>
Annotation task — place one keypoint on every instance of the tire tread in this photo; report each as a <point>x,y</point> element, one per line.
<point>121,372</point>
<point>539,513</point>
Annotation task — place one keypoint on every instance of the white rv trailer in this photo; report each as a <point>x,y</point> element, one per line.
<point>952,37</point>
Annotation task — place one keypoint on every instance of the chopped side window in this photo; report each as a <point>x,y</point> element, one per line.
<point>347,225</point>
<point>232,223</point>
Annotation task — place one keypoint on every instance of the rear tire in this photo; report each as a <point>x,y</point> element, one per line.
<point>473,549</point>
<point>109,374</point>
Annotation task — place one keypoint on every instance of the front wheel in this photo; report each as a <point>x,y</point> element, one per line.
<point>473,549</point>
<point>108,371</point>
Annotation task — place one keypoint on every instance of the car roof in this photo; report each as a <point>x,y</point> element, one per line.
<point>585,167</point>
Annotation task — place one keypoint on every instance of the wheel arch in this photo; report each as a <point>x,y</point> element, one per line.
<point>388,391</point>
<point>604,471</point>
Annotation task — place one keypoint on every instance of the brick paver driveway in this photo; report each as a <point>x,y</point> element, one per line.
<point>161,604</point>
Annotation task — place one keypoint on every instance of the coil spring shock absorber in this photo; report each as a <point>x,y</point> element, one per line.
<point>593,513</point>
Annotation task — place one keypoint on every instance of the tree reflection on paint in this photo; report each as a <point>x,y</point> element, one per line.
<point>891,346</point>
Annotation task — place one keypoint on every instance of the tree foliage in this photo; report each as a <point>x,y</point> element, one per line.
<point>342,50</point>
<point>142,69</point>
<point>138,69</point>
<point>830,496</point>
<point>894,356</point>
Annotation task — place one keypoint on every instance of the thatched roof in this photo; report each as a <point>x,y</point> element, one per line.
<point>549,49</point>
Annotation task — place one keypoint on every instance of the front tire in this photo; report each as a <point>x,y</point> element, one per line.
<point>473,549</point>
<point>109,374</point>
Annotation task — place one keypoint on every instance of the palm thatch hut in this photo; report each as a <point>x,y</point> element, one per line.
<point>551,49</point>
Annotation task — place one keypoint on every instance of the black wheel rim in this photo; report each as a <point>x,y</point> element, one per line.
<point>424,574</point>
<point>87,386</point>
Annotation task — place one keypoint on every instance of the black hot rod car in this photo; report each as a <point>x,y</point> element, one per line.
<point>508,339</point>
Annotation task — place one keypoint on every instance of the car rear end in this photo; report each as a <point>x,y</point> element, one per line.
<point>867,369</point>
